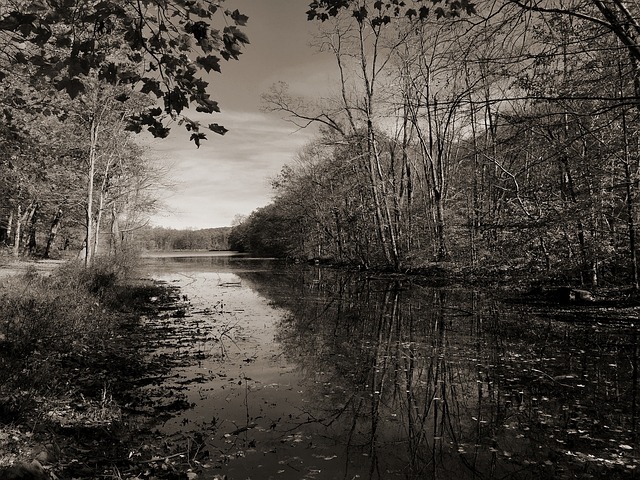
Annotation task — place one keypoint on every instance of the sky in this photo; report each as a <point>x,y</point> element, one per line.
<point>230,175</point>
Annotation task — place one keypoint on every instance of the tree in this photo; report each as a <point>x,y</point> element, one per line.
<point>362,49</point>
<point>161,48</point>
<point>507,137</point>
<point>105,55</point>
<point>584,86</point>
<point>619,17</point>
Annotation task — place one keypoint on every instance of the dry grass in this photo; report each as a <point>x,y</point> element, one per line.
<point>57,327</point>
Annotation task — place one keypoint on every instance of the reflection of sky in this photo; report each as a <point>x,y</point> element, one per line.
<point>333,370</point>
<point>229,175</point>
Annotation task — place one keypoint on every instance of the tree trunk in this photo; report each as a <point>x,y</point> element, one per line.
<point>53,231</point>
<point>114,241</point>
<point>90,178</point>
<point>9,226</point>
<point>629,182</point>
<point>474,208</point>
<point>442,252</point>
<point>96,238</point>
<point>587,274</point>
<point>21,220</point>
<point>16,240</point>
<point>628,175</point>
<point>391,251</point>
<point>545,253</point>
<point>32,243</point>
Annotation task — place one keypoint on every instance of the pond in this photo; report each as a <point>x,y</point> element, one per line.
<point>301,372</point>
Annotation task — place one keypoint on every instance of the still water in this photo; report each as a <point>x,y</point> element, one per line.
<point>298,372</point>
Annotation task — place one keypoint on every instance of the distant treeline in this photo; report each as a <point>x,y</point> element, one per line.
<point>159,238</point>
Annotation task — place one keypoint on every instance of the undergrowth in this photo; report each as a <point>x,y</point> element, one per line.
<point>74,361</point>
<point>52,325</point>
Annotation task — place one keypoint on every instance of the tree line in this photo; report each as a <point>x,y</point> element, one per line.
<point>166,239</point>
<point>57,186</point>
<point>500,135</point>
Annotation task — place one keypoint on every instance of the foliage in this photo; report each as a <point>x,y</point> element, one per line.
<point>381,12</point>
<point>166,239</point>
<point>69,159</point>
<point>505,142</point>
<point>159,48</point>
<point>617,17</point>
<point>46,167</point>
<point>266,233</point>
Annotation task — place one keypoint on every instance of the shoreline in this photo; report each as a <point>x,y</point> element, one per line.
<point>80,411</point>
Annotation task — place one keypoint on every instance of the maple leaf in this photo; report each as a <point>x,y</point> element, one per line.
<point>239,18</point>
<point>219,129</point>
<point>73,86</point>
<point>210,62</point>
<point>206,105</point>
<point>197,137</point>
<point>360,14</point>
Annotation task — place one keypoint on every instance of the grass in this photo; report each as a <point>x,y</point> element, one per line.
<point>70,309</point>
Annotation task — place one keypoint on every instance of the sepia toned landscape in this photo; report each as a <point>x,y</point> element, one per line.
<point>330,239</point>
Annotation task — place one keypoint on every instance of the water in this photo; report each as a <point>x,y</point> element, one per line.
<point>296,372</point>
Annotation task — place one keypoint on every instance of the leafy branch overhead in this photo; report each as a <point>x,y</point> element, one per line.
<point>619,17</point>
<point>381,12</point>
<point>164,49</point>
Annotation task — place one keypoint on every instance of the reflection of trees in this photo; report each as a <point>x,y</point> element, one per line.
<point>429,383</point>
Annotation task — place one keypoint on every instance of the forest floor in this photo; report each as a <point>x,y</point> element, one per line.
<point>10,266</point>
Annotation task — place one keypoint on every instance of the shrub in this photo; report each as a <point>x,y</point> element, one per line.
<point>37,313</point>
<point>44,318</point>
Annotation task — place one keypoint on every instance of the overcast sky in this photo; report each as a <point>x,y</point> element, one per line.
<point>229,175</point>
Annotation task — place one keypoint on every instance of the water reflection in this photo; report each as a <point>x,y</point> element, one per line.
<point>420,382</point>
<point>340,375</point>
<point>185,262</point>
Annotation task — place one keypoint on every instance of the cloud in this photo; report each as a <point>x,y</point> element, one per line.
<point>227,175</point>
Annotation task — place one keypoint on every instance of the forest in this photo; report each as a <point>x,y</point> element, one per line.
<point>82,85</point>
<point>500,136</point>
<point>462,141</point>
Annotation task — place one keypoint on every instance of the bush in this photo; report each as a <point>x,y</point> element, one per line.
<point>44,318</point>
<point>100,278</point>
<point>37,314</point>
